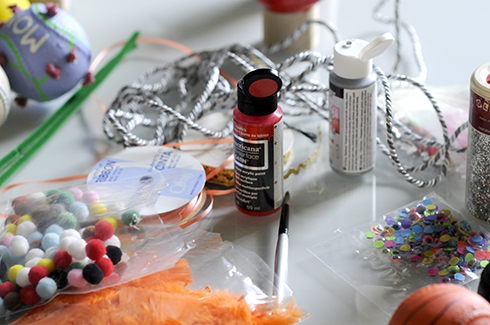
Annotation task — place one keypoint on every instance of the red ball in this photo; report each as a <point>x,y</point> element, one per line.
<point>62,259</point>
<point>95,249</point>
<point>37,272</point>
<point>103,230</point>
<point>6,288</point>
<point>29,296</point>
<point>105,265</point>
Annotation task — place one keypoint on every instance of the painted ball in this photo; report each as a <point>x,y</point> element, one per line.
<point>443,303</point>
<point>6,13</point>
<point>5,97</point>
<point>47,53</point>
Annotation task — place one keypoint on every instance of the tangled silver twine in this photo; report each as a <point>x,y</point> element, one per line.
<point>169,99</point>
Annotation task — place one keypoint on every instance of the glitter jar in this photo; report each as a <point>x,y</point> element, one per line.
<point>478,160</point>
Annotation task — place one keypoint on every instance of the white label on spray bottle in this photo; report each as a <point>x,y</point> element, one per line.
<point>352,129</point>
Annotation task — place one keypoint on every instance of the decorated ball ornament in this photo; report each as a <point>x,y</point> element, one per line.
<point>442,304</point>
<point>6,11</point>
<point>44,51</point>
<point>63,4</point>
<point>5,99</point>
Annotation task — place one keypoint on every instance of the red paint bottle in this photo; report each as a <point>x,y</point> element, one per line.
<point>258,126</point>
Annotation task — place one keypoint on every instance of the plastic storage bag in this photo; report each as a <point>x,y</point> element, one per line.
<point>432,243</point>
<point>80,239</point>
<point>204,287</point>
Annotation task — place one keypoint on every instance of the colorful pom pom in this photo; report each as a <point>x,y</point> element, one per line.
<point>70,233</point>
<point>62,259</point>
<point>90,197</point>
<point>106,266</point>
<point>49,240</point>
<point>114,253</point>
<point>103,230</point>
<point>48,263</point>
<point>7,287</point>
<point>46,288</point>
<point>130,218</point>
<point>92,274</point>
<point>79,209</point>
<point>22,278</point>
<point>98,208</point>
<point>37,273</point>
<point>33,253</point>
<point>67,220</point>
<point>12,301</point>
<point>77,193</point>
<point>60,277</point>
<point>26,228</point>
<point>95,249</point>
<point>29,296</point>
<point>54,228</point>
<point>12,273</point>
<point>77,249</point>
<point>19,246</point>
<point>75,278</point>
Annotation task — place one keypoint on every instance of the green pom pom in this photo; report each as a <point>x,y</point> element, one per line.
<point>67,220</point>
<point>75,265</point>
<point>130,218</point>
<point>52,192</point>
<point>66,198</point>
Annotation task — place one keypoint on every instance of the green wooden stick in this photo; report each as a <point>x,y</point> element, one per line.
<point>38,138</point>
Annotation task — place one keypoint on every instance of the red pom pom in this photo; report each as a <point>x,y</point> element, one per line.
<point>13,218</point>
<point>6,288</point>
<point>95,249</point>
<point>37,272</point>
<point>19,199</point>
<point>105,265</point>
<point>29,296</point>
<point>62,259</point>
<point>103,230</point>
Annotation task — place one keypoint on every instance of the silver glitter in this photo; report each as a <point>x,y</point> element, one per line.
<point>478,175</point>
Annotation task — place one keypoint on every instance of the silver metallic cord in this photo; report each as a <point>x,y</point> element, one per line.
<point>169,99</point>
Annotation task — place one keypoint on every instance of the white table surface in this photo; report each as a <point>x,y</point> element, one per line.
<point>454,37</point>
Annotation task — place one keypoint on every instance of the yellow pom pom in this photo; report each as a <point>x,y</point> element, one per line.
<point>12,274</point>
<point>98,208</point>
<point>48,263</point>
<point>25,217</point>
<point>111,220</point>
<point>11,228</point>
<point>6,13</point>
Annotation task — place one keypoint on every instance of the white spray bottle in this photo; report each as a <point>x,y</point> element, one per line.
<point>352,105</point>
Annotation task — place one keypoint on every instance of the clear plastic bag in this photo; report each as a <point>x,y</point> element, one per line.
<point>91,230</point>
<point>215,282</point>
<point>389,273</point>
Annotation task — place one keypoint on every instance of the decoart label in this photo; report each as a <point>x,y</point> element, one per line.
<point>480,113</point>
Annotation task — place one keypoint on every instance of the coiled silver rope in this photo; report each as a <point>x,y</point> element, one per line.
<point>169,99</point>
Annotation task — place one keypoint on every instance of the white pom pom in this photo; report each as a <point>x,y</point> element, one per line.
<point>37,196</point>
<point>49,252</point>
<point>70,233</point>
<point>22,278</point>
<point>65,242</point>
<point>77,249</point>
<point>18,246</point>
<point>113,241</point>
<point>33,253</point>
<point>33,262</point>
<point>26,229</point>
